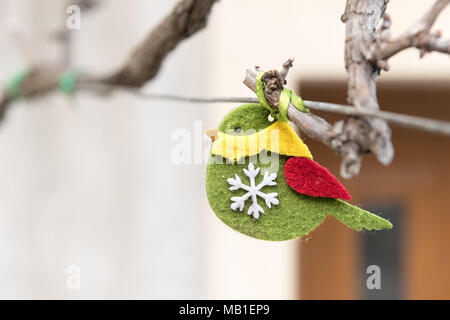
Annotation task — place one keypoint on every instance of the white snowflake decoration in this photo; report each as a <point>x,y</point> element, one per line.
<point>253,191</point>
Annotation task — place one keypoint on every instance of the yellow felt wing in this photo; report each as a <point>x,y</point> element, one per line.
<point>278,137</point>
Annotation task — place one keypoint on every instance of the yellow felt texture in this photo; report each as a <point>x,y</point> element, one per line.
<point>278,137</point>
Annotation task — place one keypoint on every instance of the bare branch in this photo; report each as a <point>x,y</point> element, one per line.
<point>366,52</point>
<point>312,125</point>
<point>186,18</point>
<point>363,135</point>
<point>418,35</point>
<point>285,70</point>
<point>406,121</point>
<point>347,138</point>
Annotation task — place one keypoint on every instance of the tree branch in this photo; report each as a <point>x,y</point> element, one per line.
<point>347,145</point>
<point>412,122</point>
<point>418,35</point>
<point>186,18</point>
<point>354,136</point>
<point>357,136</point>
<point>312,125</point>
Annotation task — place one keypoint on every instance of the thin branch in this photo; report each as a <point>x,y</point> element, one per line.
<point>407,121</point>
<point>310,124</point>
<point>412,122</point>
<point>418,35</point>
<point>185,19</point>
<point>347,138</point>
<point>286,66</point>
<point>367,50</point>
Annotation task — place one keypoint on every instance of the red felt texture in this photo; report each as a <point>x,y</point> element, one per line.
<point>308,177</point>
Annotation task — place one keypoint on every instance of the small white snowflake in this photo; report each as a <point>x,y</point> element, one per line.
<point>253,191</point>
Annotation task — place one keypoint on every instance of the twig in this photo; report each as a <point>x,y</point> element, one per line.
<point>186,18</point>
<point>418,123</point>
<point>286,66</point>
<point>367,50</point>
<point>312,125</point>
<point>418,35</point>
<point>407,121</point>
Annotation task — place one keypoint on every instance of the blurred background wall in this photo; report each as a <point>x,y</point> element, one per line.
<point>90,181</point>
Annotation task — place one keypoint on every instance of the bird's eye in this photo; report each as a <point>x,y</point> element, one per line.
<point>237,129</point>
<point>270,118</point>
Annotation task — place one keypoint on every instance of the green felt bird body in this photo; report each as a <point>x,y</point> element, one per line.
<point>274,191</point>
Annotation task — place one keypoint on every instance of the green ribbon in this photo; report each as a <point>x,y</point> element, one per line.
<point>13,87</point>
<point>68,81</point>
<point>287,95</point>
<point>260,93</point>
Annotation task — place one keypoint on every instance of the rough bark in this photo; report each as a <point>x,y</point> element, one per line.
<point>186,18</point>
<point>418,36</point>
<point>366,134</point>
<point>367,49</point>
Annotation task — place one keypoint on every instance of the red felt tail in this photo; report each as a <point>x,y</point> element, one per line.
<point>308,177</point>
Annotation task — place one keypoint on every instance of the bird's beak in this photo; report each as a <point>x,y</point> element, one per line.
<point>212,134</point>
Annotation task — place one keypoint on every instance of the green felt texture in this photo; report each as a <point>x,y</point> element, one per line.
<point>248,116</point>
<point>296,214</point>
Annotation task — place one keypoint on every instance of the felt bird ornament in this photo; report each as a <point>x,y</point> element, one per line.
<point>262,181</point>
